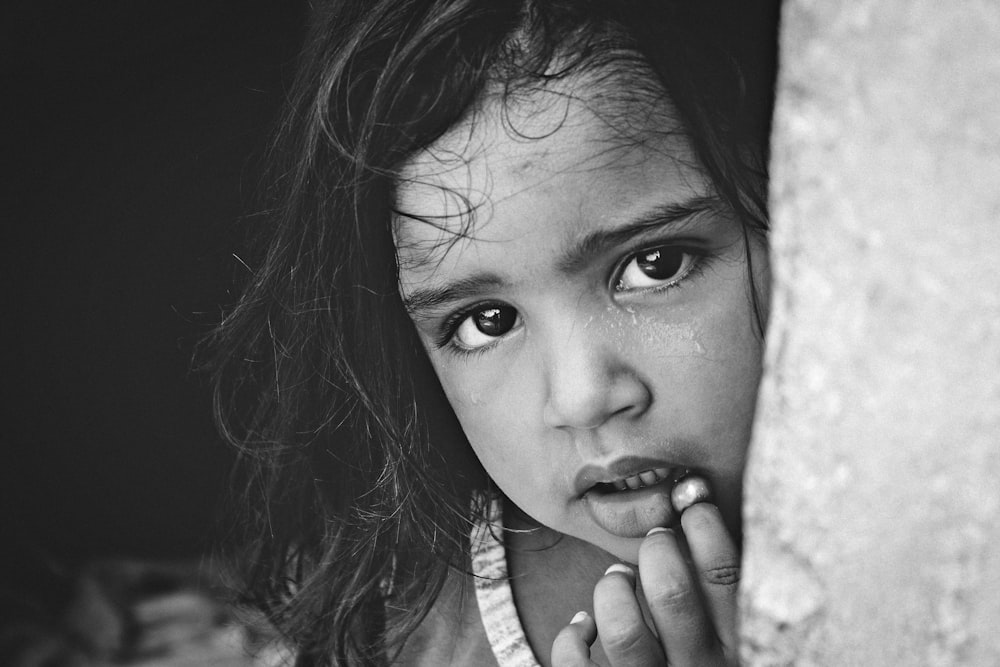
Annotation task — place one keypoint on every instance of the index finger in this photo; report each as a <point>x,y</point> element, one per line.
<point>717,562</point>
<point>671,590</point>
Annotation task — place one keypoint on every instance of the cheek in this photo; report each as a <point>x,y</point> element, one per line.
<point>654,338</point>
<point>718,391</point>
<point>704,364</point>
<point>484,402</point>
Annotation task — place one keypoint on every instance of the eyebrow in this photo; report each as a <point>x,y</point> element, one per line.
<point>597,243</point>
<point>573,260</point>
<point>432,297</point>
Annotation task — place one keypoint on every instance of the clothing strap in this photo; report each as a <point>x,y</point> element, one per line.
<point>494,594</point>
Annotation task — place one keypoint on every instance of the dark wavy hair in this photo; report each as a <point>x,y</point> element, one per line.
<point>355,478</point>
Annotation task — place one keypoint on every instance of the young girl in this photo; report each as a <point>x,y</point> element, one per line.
<point>504,334</point>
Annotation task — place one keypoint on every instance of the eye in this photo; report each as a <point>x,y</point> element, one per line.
<point>655,267</point>
<point>484,325</point>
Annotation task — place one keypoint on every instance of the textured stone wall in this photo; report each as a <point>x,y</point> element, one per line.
<point>873,488</point>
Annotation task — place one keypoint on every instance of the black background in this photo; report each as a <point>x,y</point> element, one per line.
<point>131,156</point>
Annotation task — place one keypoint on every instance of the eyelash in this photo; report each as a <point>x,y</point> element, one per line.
<point>449,328</point>
<point>698,258</point>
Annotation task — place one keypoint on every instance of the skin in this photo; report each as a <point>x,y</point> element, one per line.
<point>597,358</point>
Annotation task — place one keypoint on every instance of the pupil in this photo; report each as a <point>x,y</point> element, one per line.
<point>495,321</point>
<point>661,264</point>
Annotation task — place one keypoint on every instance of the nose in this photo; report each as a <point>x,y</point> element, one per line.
<point>590,381</point>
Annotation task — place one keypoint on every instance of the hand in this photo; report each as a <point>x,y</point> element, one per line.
<point>693,605</point>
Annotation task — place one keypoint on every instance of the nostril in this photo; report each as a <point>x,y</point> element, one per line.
<point>588,384</point>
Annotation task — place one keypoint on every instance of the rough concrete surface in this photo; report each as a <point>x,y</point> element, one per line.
<point>873,488</point>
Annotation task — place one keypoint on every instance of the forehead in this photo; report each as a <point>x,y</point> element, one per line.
<point>568,154</point>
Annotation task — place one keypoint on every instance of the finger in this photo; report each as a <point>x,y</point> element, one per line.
<point>625,637</point>
<point>717,564</point>
<point>571,647</point>
<point>671,591</point>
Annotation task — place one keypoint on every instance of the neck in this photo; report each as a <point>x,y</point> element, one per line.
<point>552,577</point>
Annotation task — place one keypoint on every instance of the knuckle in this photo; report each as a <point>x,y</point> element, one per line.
<point>622,639</point>
<point>722,575</point>
<point>675,596</point>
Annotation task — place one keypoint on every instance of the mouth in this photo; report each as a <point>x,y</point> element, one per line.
<point>640,480</point>
<point>629,473</point>
<point>630,496</point>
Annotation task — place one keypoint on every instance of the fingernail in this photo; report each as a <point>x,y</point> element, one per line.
<point>621,568</point>
<point>579,617</point>
<point>658,529</point>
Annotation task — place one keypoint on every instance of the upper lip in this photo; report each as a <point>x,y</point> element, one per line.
<point>618,469</point>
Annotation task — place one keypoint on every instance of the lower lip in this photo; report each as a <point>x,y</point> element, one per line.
<point>632,513</point>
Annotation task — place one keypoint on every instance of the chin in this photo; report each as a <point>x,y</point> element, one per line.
<point>628,551</point>
<point>625,549</point>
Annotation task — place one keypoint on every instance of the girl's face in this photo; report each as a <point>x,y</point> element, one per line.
<point>583,295</point>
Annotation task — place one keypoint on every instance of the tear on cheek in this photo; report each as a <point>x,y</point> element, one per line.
<point>667,340</point>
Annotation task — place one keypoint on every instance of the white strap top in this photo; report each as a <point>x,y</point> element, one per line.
<point>494,594</point>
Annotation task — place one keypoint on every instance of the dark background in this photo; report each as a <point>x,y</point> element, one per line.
<point>132,151</point>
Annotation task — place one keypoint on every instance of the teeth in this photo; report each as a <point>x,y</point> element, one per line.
<point>642,479</point>
<point>648,477</point>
